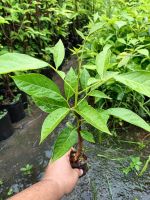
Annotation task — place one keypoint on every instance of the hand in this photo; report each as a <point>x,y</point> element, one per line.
<point>61,173</point>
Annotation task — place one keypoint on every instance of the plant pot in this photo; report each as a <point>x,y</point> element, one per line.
<point>15,110</point>
<point>24,100</point>
<point>6,129</point>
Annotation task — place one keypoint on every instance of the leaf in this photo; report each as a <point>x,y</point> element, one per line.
<point>129,116</point>
<point>121,40</point>
<point>124,60</point>
<point>80,34</point>
<point>92,116</point>
<point>48,105</point>
<point>61,74</point>
<point>84,78</point>
<point>99,94</point>
<point>103,60</point>
<point>88,66</point>
<point>52,121</point>
<point>120,24</point>
<point>66,139</point>
<point>96,27</point>
<point>92,81</point>
<point>144,52</point>
<point>38,85</point>
<point>58,52</point>
<point>71,79</point>
<point>138,81</point>
<point>86,135</point>
<point>12,62</point>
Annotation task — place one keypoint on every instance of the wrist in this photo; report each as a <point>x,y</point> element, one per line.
<point>55,186</point>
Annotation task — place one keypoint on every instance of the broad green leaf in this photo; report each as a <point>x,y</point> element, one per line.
<point>72,80</point>
<point>129,116</point>
<point>66,139</point>
<point>12,62</point>
<point>109,75</point>
<point>103,60</point>
<point>99,94</point>
<point>96,27</point>
<point>144,52</point>
<point>104,113</point>
<point>58,52</point>
<point>92,81</point>
<point>86,135</point>
<point>138,81</point>
<point>80,34</point>
<point>92,116</point>
<point>48,105</point>
<point>52,121</point>
<point>84,78</point>
<point>38,85</point>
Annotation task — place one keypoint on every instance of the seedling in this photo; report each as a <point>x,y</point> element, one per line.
<point>10,192</point>
<point>135,164</point>
<point>81,89</point>
<point>27,169</point>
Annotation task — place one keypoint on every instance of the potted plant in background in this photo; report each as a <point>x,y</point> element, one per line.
<point>6,129</point>
<point>79,86</point>
<point>11,102</point>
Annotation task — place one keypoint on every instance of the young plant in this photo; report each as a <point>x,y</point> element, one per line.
<point>27,169</point>
<point>135,164</point>
<point>80,88</point>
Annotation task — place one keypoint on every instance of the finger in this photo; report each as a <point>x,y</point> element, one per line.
<point>71,149</point>
<point>79,172</point>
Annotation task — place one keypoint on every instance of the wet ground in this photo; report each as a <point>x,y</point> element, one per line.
<point>104,181</point>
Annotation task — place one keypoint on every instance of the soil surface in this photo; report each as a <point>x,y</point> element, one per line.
<point>104,180</point>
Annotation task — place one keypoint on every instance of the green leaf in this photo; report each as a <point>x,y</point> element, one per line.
<point>58,52</point>
<point>121,40</point>
<point>92,116</point>
<point>12,62</point>
<point>129,116</point>
<point>84,78</point>
<point>52,121</point>
<point>120,24</point>
<point>66,139</point>
<point>144,52</point>
<point>138,81</point>
<point>86,135</point>
<point>96,27</point>
<point>99,94</point>
<point>124,60</point>
<point>61,74</point>
<point>88,66</point>
<point>80,34</point>
<point>48,105</point>
<point>103,60</point>
<point>92,81</point>
<point>72,80</point>
<point>38,85</point>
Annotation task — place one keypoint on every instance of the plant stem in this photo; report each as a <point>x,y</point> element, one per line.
<point>80,140</point>
<point>8,92</point>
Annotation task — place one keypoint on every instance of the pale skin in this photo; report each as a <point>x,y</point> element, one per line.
<point>59,179</point>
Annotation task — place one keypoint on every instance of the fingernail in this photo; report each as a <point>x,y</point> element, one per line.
<point>81,172</point>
